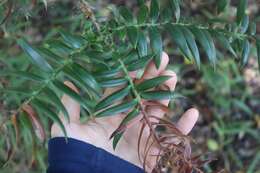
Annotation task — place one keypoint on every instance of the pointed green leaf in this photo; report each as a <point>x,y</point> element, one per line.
<point>221,5</point>
<point>258,52</point>
<point>86,104</point>
<point>156,45</point>
<point>140,63</point>
<point>117,95</point>
<point>131,57</point>
<point>151,83</point>
<point>142,45</point>
<point>114,110</point>
<point>225,44</point>
<point>160,95</point>
<point>56,100</point>
<point>175,5</point>
<point>107,73</point>
<point>132,33</point>
<point>86,77</point>
<point>73,41</point>
<point>15,90</point>
<point>154,10</point>
<point>207,43</point>
<point>59,48</point>
<point>142,14</point>
<point>113,82</point>
<point>166,15</point>
<point>116,139</point>
<point>83,83</point>
<point>48,112</point>
<point>50,55</point>
<point>23,74</point>
<point>242,105</point>
<point>241,10</point>
<point>126,14</point>
<point>35,57</point>
<point>252,28</point>
<point>245,52</point>
<point>244,24</point>
<point>179,38</point>
<point>192,44</point>
<point>130,116</point>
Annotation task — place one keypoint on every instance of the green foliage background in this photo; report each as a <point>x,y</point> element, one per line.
<point>227,95</point>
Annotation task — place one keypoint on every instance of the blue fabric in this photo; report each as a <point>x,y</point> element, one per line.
<point>76,156</point>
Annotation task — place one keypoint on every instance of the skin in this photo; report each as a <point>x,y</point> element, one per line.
<point>98,131</point>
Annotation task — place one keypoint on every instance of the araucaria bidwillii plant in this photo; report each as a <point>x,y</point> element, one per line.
<point>105,54</point>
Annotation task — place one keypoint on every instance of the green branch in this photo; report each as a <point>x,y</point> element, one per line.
<point>51,78</point>
<point>240,36</point>
<point>138,97</point>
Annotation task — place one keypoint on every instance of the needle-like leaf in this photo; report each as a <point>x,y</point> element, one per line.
<point>192,44</point>
<point>86,104</point>
<point>73,41</point>
<point>117,95</point>
<point>140,63</point>
<point>154,10</point>
<point>116,139</point>
<point>258,52</point>
<point>151,83</point>
<point>132,33</point>
<point>114,110</point>
<point>56,100</point>
<point>221,5</point>
<point>35,57</point>
<point>175,5</point>
<point>23,74</point>
<point>245,52</point>
<point>86,77</point>
<point>142,45</point>
<point>241,10</point>
<point>207,43</point>
<point>142,14</point>
<point>48,112</point>
<point>126,14</point>
<point>113,82</point>
<point>179,38</point>
<point>156,45</point>
<point>160,95</point>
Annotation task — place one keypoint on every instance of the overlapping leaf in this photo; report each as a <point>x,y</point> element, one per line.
<point>35,57</point>
<point>245,52</point>
<point>48,112</point>
<point>68,91</point>
<point>154,10</point>
<point>151,83</point>
<point>206,41</point>
<point>156,45</point>
<point>241,10</point>
<point>117,95</point>
<point>73,41</point>
<point>160,95</point>
<point>114,110</point>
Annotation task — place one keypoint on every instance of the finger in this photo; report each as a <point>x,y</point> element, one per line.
<point>72,107</point>
<point>151,70</point>
<point>170,83</point>
<point>188,120</point>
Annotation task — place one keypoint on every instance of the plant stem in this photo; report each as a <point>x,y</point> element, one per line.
<point>240,36</point>
<point>138,97</point>
<point>53,77</point>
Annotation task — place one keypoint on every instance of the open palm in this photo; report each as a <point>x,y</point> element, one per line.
<point>98,131</point>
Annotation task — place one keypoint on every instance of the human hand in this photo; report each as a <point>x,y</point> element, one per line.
<point>98,131</point>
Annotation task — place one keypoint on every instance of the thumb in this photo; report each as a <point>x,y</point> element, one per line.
<point>72,106</point>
